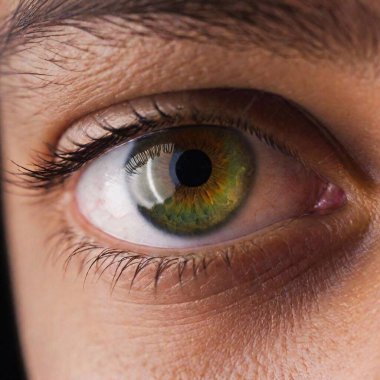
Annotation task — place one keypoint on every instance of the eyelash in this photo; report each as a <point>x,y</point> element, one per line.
<point>50,172</point>
<point>197,262</point>
<point>52,169</point>
<point>123,260</point>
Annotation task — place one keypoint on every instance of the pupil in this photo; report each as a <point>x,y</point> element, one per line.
<point>193,168</point>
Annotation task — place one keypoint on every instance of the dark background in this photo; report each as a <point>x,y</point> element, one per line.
<point>10,359</point>
<point>11,367</point>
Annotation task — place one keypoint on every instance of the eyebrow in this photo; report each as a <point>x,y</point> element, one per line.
<point>317,29</point>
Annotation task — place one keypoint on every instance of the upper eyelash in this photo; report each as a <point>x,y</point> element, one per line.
<point>52,169</point>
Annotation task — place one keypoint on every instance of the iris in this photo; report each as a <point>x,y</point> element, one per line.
<point>190,180</point>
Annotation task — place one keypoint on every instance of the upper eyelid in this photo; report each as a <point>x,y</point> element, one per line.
<point>52,169</point>
<point>49,170</point>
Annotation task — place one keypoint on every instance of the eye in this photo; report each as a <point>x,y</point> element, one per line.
<point>194,185</point>
<point>195,180</point>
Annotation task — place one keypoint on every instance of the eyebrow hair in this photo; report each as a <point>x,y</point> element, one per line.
<point>320,29</point>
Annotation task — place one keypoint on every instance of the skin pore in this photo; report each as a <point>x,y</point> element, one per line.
<point>316,317</point>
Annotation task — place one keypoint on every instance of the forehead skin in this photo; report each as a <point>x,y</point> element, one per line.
<point>73,333</point>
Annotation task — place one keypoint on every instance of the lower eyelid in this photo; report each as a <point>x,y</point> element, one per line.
<point>267,260</point>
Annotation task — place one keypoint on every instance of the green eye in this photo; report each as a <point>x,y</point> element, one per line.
<point>190,180</point>
<point>234,171</point>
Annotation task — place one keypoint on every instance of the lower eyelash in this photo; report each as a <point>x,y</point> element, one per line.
<point>97,260</point>
<point>267,261</point>
<point>106,258</point>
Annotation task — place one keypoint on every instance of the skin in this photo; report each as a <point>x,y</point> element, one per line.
<point>321,324</point>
